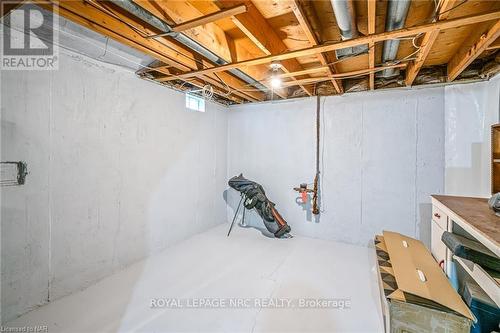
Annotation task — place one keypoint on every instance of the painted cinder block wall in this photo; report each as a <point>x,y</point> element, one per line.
<point>470,110</point>
<point>382,156</point>
<point>118,169</point>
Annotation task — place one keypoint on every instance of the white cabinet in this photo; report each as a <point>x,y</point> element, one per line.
<point>438,249</point>
<point>439,225</point>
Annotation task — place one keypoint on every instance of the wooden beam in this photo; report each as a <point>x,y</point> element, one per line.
<point>309,80</point>
<point>344,75</point>
<point>170,53</point>
<point>465,56</point>
<point>405,32</point>
<point>305,71</point>
<point>428,40</point>
<point>211,35</point>
<point>372,15</point>
<point>313,40</point>
<point>258,29</point>
<point>495,45</point>
<point>232,50</point>
<point>368,70</point>
<point>153,68</point>
<point>324,69</point>
<point>197,83</point>
<point>210,18</point>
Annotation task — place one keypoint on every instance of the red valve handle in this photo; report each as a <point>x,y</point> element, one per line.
<point>304,196</point>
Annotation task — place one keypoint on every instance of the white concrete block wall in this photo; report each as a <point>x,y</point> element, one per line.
<point>25,217</point>
<point>470,110</point>
<point>116,165</point>
<point>383,155</point>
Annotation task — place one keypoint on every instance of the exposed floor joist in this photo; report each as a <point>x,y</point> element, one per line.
<point>229,12</point>
<point>443,11</point>
<point>372,7</point>
<point>495,45</point>
<point>465,56</point>
<point>313,40</point>
<point>210,35</point>
<point>339,76</point>
<point>314,70</point>
<point>256,27</point>
<point>166,51</point>
<point>303,35</point>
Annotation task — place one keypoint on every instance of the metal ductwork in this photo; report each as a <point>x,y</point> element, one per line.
<point>397,10</point>
<point>345,14</point>
<point>166,29</point>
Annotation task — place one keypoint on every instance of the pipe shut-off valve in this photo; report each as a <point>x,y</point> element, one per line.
<point>304,196</point>
<point>303,191</point>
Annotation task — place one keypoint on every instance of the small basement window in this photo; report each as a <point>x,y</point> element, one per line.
<point>195,103</point>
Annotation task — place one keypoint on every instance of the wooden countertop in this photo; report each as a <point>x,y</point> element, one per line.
<point>475,216</point>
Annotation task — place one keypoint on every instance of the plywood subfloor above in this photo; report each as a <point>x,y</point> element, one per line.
<point>278,28</point>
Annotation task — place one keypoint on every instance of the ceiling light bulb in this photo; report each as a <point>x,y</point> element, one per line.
<point>275,82</point>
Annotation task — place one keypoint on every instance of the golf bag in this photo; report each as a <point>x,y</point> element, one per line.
<point>255,197</point>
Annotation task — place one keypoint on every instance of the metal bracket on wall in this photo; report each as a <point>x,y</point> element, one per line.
<point>13,173</point>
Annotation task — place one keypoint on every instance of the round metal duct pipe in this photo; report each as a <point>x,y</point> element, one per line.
<point>397,10</point>
<point>345,14</point>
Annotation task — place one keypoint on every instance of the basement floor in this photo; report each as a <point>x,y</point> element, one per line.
<point>256,271</point>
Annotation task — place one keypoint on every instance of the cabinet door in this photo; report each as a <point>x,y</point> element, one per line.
<point>438,249</point>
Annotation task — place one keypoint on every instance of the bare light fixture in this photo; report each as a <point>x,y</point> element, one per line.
<point>275,82</point>
<point>275,79</point>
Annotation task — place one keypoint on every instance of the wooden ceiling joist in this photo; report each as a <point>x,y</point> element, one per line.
<point>211,35</point>
<point>257,28</point>
<point>309,80</point>
<point>229,12</point>
<point>302,35</point>
<point>199,83</point>
<point>405,32</point>
<point>313,40</point>
<point>443,11</point>
<point>306,71</point>
<point>495,45</point>
<point>170,53</point>
<point>466,55</point>
<point>372,7</point>
<point>367,71</point>
<point>339,76</point>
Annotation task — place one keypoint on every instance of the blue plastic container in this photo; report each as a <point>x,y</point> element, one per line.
<point>483,307</point>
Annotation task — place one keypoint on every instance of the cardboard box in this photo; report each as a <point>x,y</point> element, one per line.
<point>416,295</point>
